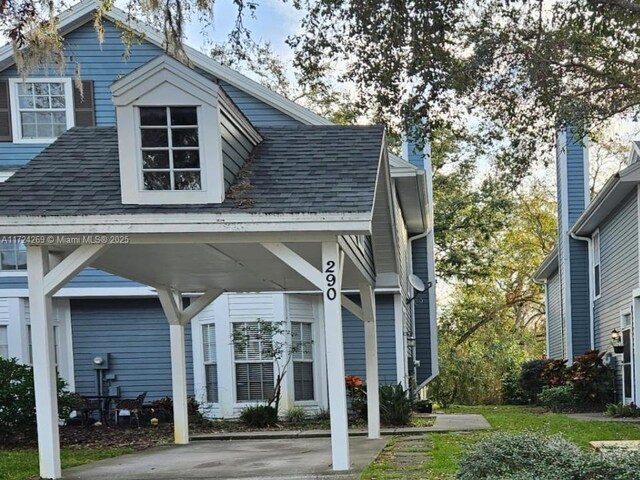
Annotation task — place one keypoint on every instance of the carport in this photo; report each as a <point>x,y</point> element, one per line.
<point>200,253</point>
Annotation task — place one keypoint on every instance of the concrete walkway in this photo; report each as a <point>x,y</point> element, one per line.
<point>443,423</point>
<point>241,459</point>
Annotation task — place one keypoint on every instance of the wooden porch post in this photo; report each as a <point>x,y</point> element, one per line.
<point>368,300</point>
<point>44,364</point>
<point>332,283</point>
<point>179,384</point>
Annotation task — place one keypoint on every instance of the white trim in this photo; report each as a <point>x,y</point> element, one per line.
<point>401,358</point>
<point>627,311</point>
<point>635,362</point>
<point>87,292</point>
<point>565,277</point>
<point>224,222</point>
<point>15,107</point>
<point>6,175</point>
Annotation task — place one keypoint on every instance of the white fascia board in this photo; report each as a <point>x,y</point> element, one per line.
<point>337,223</point>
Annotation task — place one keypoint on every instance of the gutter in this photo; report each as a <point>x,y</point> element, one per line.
<point>591,293</point>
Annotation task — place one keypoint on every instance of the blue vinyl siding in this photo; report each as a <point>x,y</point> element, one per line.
<point>422,312</point>
<point>619,270</point>
<point>88,278</point>
<point>135,333</point>
<point>575,275</point>
<point>555,320</point>
<point>354,351</point>
<point>415,156</point>
<point>259,113</point>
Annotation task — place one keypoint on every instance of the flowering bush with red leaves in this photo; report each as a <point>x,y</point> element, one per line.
<point>357,393</point>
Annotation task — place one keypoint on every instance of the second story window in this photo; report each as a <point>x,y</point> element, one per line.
<point>170,148</point>
<point>13,256</point>
<point>597,285</point>
<point>41,109</point>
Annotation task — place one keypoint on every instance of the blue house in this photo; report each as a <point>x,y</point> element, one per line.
<point>592,277</point>
<point>163,206</point>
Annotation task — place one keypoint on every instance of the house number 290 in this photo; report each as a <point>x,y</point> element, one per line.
<point>330,277</point>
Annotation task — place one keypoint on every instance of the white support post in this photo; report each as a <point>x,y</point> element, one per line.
<point>331,289</point>
<point>44,365</point>
<point>368,299</point>
<point>179,384</point>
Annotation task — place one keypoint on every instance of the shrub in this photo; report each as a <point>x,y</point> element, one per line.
<point>592,380</point>
<point>510,391</point>
<point>396,405</point>
<point>618,410</point>
<point>423,406</point>
<point>530,379</point>
<point>162,409</point>
<point>17,399</point>
<point>558,399</point>
<point>296,415</point>
<point>357,395</point>
<point>259,416</point>
<point>322,415</point>
<point>527,455</point>
<point>554,373</point>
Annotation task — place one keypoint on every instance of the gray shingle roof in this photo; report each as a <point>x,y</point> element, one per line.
<point>297,169</point>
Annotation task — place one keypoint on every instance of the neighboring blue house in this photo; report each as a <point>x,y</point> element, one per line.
<point>592,277</point>
<point>99,314</point>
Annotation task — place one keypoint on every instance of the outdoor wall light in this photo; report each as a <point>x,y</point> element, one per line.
<point>411,341</point>
<point>616,341</point>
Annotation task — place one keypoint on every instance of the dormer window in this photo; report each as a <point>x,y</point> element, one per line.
<point>170,148</point>
<point>41,109</point>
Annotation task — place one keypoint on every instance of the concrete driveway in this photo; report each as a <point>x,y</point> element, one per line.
<point>291,459</point>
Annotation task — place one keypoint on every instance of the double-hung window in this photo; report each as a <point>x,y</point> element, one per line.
<point>210,361</point>
<point>4,341</point>
<point>13,256</point>
<point>597,285</point>
<point>41,109</point>
<point>170,148</point>
<point>253,363</point>
<point>302,346</point>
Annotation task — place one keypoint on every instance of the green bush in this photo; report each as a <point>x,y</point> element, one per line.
<point>558,399</point>
<point>259,416</point>
<point>618,410</point>
<point>396,405</point>
<point>17,399</point>
<point>510,391</point>
<point>530,379</point>
<point>296,415</point>
<point>322,415</point>
<point>528,455</point>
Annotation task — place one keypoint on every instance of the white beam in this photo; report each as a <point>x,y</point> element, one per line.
<point>172,309</point>
<point>353,307</point>
<point>71,266</point>
<point>44,365</point>
<point>331,285</point>
<point>199,304</point>
<point>296,262</point>
<point>368,300</point>
<point>179,384</point>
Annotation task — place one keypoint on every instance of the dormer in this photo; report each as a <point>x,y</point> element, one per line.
<point>173,127</point>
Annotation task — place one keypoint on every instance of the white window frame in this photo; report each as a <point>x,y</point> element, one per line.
<point>312,361</point>
<point>237,361</point>
<point>597,262</point>
<point>5,326</point>
<point>205,363</point>
<point>624,326</point>
<point>16,124</point>
<point>13,273</point>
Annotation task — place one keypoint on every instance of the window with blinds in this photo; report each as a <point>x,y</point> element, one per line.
<point>4,342</point>
<point>253,365</point>
<point>302,345</point>
<point>210,362</point>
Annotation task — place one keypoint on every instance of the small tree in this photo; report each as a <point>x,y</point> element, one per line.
<point>275,342</point>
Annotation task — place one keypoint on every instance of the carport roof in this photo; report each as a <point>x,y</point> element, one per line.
<point>296,169</point>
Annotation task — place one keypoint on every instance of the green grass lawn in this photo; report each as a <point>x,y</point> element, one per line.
<point>23,464</point>
<point>445,449</point>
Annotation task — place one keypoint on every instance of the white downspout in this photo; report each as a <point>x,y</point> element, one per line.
<point>591,280</point>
